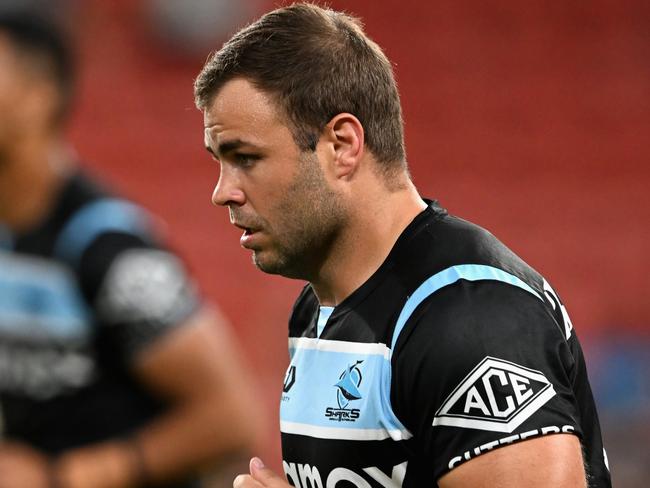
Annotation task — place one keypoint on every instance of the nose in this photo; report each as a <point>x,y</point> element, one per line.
<point>228,191</point>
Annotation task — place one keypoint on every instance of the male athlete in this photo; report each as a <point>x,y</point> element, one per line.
<point>423,351</point>
<point>113,373</point>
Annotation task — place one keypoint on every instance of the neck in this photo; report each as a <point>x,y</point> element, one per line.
<point>378,218</point>
<point>30,177</point>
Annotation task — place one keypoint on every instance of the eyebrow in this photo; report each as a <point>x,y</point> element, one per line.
<point>228,146</point>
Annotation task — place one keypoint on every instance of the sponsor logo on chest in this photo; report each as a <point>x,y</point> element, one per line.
<point>307,476</point>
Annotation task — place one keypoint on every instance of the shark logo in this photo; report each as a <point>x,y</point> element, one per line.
<point>347,390</point>
<point>348,385</point>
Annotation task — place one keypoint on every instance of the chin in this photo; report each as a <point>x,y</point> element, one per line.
<point>263,263</point>
<point>277,265</point>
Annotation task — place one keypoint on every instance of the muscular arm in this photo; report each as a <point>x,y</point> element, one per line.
<point>554,460</point>
<point>196,369</point>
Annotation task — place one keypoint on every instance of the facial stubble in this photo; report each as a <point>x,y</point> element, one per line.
<point>310,218</point>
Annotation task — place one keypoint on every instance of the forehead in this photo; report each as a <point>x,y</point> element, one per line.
<point>239,108</point>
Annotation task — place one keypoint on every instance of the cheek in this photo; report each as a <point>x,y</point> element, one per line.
<point>270,195</point>
<point>12,89</point>
<point>10,109</point>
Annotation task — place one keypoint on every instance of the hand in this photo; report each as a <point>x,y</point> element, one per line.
<point>260,477</point>
<point>23,467</point>
<point>107,465</point>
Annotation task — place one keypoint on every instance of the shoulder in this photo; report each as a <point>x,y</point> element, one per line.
<point>439,241</point>
<point>91,213</point>
<point>97,229</point>
<point>482,364</point>
<point>476,317</point>
<point>124,269</point>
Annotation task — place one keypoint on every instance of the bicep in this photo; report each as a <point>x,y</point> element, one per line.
<point>138,294</point>
<point>554,460</point>
<point>198,369</point>
<point>198,358</point>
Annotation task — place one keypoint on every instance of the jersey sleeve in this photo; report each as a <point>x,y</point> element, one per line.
<point>137,289</point>
<point>481,365</point>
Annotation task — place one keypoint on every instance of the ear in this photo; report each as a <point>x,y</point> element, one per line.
<point>346,140</point>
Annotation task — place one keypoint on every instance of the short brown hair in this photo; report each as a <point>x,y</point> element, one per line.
<point>316,63</point>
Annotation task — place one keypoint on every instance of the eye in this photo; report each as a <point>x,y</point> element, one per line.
<point>246,160</point>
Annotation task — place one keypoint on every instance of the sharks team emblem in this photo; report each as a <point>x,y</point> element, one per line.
<point>347,390</point>
<point>348,385</point>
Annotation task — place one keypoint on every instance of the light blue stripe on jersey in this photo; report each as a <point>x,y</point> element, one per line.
<point>310,406</point>
<point>39,299</point>
<point>320,365</point>
<point>94,219</point>
<point>323,317</point>
<point>469,272</point>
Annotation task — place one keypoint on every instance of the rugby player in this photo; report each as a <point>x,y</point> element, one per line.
<point>423,351</point>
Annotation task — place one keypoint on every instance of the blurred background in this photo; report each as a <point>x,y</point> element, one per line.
<point>529,118</point>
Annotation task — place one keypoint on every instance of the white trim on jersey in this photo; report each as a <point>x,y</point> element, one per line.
<point>341,433</point>
<point>377,348</point>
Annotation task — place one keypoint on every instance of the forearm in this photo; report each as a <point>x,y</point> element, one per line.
<point>212,413</point>
<point>110,464</point>
<point>194,437</point>
<point>182,441</point>
<point>216,413</point>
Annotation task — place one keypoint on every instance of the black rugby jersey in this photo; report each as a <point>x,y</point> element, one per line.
<point>80,295</point>
<point>453,347</point>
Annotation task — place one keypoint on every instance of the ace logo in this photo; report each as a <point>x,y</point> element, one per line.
<point>496,395</point>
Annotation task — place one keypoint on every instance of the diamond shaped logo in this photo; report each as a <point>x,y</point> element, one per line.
<point>497,395</point>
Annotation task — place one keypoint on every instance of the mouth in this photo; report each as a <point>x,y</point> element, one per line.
<point>246,229</point>
<point>247,237</point>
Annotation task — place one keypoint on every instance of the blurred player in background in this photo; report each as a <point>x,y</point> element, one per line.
<point>113,372</point>
<point>424,352</point>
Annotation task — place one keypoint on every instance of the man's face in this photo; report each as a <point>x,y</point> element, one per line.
<point>12,92</point>
<point>28,99</point>
<point>276,193</point>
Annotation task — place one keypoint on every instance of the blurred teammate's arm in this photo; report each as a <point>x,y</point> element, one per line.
<point>212,416</point>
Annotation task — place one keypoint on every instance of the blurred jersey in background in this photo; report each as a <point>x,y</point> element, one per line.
<point>114,370</point>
